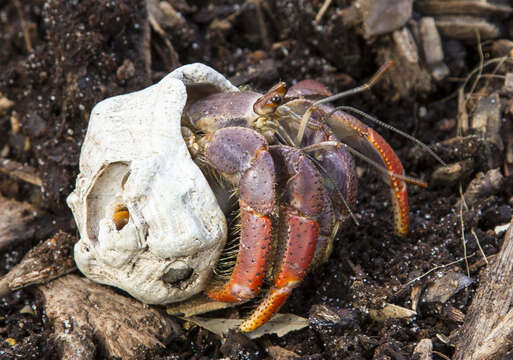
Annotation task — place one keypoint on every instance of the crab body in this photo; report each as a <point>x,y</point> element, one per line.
<point>292,196</point>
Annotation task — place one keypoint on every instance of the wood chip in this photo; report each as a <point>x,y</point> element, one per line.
<point>489,321</point>
<point>279,353</point>
<point>424,350</point>
<point>20,171</point>
<point>446,286</point>
<point>462,7</point>
<point>81,311</point>
<point>46,261</point>
<point>391,311</point>
<point>465,27</point>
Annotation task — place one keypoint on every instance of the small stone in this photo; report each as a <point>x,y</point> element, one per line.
<point>381,17</point>
<point>431,42</point>
<point>440,72</point>
<point>5,104</point>
<point>126,71</point>
<point>508,82</point>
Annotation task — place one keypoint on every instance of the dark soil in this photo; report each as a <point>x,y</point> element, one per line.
<point>85,51</point>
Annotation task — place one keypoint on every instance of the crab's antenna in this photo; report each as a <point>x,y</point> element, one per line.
<point>367,86</point>
<point>323,144</point>
<point>389,127</point>
<point>337,190</point>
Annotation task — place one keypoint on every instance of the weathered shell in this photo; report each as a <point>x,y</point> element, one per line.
<point>134,155</point>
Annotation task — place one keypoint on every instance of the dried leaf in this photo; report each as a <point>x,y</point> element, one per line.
<point>280,324</point>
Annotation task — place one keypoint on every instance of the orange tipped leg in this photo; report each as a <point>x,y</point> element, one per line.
<point>249,271</point>
<point>364,139</point>
<point>300,245</point>
<point>398,191</point>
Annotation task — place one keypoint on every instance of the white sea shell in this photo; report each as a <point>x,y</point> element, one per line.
<point>134,155</point>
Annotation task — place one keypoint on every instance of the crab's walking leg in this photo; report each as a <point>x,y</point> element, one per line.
<point>304,199</point>
<point>359,136</point>
<point>241,152</point>
<point>353,132</point>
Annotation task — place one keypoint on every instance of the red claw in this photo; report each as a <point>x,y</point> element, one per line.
<point>299,250</point>
<point>249,271</point>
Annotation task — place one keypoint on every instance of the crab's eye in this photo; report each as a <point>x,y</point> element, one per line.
<point>268,102</point>
<point>276,99</point>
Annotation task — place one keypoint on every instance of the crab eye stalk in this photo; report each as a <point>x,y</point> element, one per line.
<point>276,99</point>
<point>269,102</point>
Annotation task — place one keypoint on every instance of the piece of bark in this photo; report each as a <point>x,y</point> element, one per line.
<point>487,332</point>
<point>482,186</point>
<point>81,310</point>
<point>465,27</point>
<point>279,353</point>
<point>463,7</point>
<point>46,261</point>
<point>450,174</point>
<point>487,119</point>
<point>20,171</point>
<point>443,288</point>
<point>17,221</point>
<point>423,350</point>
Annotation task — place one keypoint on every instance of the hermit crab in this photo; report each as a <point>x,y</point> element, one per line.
<point>152,225</point>
<point>286,152</point>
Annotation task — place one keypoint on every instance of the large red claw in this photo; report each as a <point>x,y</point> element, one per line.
<point>243,152</point>
<point>299,250</point>
<point>249,271</point>
<point>303,204</point>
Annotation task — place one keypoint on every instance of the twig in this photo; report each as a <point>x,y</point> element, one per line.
<point>261,25</point>
<point>434,269</point>
<point>463,240</point>
<point>464,202</point>
<point>481,63</point>
<point>24,27</point>
<point>20,171</point>
<point>322,11</point>
<point>479,245</point>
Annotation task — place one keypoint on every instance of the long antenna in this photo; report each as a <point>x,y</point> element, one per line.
<point>369,84</point>
<point>389,127</point>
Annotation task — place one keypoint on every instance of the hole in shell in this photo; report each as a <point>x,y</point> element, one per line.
<point>174,276</point>
<point>120,216</point>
